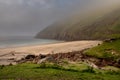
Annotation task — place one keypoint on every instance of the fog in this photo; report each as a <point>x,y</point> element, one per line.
<point>28,17</point>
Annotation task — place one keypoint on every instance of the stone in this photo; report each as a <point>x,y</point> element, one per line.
<point>30,56</point>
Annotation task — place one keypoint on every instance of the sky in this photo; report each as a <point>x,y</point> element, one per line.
<point>28,17</point>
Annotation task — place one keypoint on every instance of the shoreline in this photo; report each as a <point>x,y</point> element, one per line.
<point>7,55</point>
<point>31,44</point>
<point>71,44</point>
<point>28,45</point>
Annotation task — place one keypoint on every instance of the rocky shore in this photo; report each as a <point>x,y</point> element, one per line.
<point>77,56</point>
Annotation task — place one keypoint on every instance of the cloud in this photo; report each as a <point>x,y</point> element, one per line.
<point>28,17</point>
<point>41,3</point>
<point>25,17</point>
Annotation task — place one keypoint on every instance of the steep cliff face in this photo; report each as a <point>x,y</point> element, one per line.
<point>90,28</point>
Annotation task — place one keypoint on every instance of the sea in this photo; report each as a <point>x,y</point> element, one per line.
<point>18,41</point>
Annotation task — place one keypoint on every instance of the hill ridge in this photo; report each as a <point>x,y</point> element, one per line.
<point>105,27</point>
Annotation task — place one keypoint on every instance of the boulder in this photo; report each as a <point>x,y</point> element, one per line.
<point>30,56</point>
<point>46,59</point>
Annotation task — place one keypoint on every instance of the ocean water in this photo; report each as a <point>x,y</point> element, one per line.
<point>7,42</point>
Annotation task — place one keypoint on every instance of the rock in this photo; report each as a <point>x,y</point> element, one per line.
<point>2,66</point>
<point>13,53</point>
<point>92,64</point>
<point>30,56</point>
<point>49,59</point>
<point>19,58</point>
<point>111,40</point>
<point>42,56</point>
<point>38,58</point>
<point>11,59</point>
<point>118,61</point>
<point>42,61</point>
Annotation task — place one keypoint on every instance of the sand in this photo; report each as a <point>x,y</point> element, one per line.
<point>6,54</point>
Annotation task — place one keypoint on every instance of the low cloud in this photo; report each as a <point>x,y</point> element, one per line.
<point>28,17</point>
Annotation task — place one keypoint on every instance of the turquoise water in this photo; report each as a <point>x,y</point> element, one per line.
<point>23,41</point>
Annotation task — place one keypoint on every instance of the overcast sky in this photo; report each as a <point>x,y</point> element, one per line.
<point>28,17</point>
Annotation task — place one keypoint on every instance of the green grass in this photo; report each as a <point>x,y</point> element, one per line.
<point>107,50</point>
<point>117,27</point>
<point>30,71</point>
<point>114,36</point>
<point>67,70</point>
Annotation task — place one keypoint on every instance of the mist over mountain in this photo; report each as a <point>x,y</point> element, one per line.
<point>95,25</point>
<point>28,17</point>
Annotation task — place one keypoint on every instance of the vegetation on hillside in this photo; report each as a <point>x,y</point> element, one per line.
<point>108,50</point>
<point>94,27</point>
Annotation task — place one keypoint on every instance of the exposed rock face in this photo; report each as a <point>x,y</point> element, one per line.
<point>101,28</point>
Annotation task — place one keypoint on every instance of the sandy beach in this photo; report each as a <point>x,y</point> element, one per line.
<point>7,56</point>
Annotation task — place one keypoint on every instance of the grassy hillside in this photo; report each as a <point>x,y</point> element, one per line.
<point>79,71</point>
<point>107,50</point>
<point>89,27</point>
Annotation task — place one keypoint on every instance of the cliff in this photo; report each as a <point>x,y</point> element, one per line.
<point>89,28</point>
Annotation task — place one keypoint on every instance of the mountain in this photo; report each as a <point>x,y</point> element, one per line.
<point>91,27</point>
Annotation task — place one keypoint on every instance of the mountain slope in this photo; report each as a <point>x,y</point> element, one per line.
<point>92,27</point>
